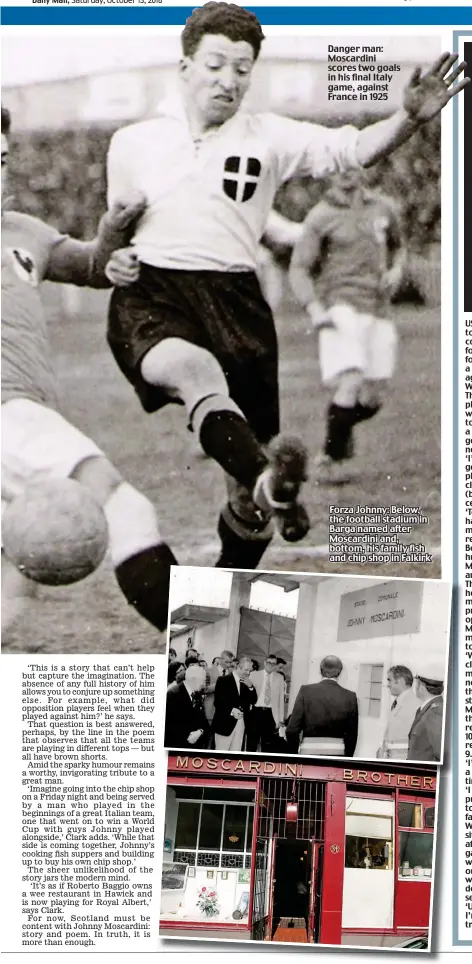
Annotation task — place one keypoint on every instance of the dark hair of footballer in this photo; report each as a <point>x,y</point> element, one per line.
<point>226,19</point>
<point>6,121</point>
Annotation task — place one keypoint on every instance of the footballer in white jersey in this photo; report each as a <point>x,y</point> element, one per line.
<point>196,329</point>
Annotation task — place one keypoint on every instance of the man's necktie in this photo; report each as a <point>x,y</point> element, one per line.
<point>267,691</point>
<point>394,704</point>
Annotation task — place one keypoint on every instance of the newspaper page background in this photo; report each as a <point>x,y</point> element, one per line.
<point>13,667</point>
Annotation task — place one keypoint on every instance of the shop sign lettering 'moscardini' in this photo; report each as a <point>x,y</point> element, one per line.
<point>301,771</point>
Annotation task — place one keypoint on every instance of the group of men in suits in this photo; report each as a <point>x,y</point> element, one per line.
<point>241,708</point>
<point>249,712</point>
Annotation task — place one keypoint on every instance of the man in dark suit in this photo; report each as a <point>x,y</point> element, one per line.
<point>186,723</point>
<point>326,714</point>
<point>235,694</point>
<point>425,738</point>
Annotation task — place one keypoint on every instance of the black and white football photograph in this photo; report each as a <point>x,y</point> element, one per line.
<point>221,311</point>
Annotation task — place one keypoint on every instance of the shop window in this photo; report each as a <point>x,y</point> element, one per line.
<point>410,815</point>
<point>249,831</point>
<point>367,853</point>
<point>187,825</point>
<point>214,834</point>
<point>429,817</point>
<point>222,794</point>
<point>208,860</point>
<point>189,793</point>
<point>368,840</point>
<point>415,858</point>
<point>210,826</point>
<point>187,857</point>
<point>235,828</point>
<point>232,860</point>
<point>370,689</point>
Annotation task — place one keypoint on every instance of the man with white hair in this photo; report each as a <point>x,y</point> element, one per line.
<point>235,695</point>
<point>402,712</point>
<point>186,724</point>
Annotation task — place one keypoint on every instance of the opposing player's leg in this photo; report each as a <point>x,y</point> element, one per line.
<point>270,478</point>
<point>357,360</point>
<point>382,361</point>
<point>141,559</point>
<point>344,358</point>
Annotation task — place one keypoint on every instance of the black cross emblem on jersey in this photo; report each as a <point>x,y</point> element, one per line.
<point>238,184</point>
<point>25,262</point>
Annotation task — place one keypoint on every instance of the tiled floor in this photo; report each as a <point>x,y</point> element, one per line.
<point>294,934</point>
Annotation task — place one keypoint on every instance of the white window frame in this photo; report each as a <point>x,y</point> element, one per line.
<point>244,853</point>
<point>366,701</point>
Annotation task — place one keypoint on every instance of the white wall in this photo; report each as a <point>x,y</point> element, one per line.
<point>423,652</point>
<point>210,640</point>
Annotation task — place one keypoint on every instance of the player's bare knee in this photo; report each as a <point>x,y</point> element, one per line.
<point>98,475</point>
<point>185,371</point>
<point>348,386</point>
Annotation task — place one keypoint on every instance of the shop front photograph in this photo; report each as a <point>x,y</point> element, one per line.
<point>298,852</point>
<point>309,665</point>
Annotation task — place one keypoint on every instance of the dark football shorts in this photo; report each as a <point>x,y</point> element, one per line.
<point>224,312</point>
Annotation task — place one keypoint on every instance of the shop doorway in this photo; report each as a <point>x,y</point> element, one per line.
<point>294,908</point>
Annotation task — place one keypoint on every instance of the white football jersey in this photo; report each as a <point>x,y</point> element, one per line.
<point>209,198</point>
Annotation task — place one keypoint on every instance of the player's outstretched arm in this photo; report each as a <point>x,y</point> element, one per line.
<point>282,231</point>
<point>423,98</point>
<point>83,263</point>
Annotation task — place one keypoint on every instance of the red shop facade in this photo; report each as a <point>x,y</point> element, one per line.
<point>252,844</point>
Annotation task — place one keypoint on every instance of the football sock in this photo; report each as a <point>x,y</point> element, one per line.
<point>144,581</point>
<point>226,437</point>
<point>132,523</point>
<point>237,552</point>
<point>339,442</point>
<point>364,412</point>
